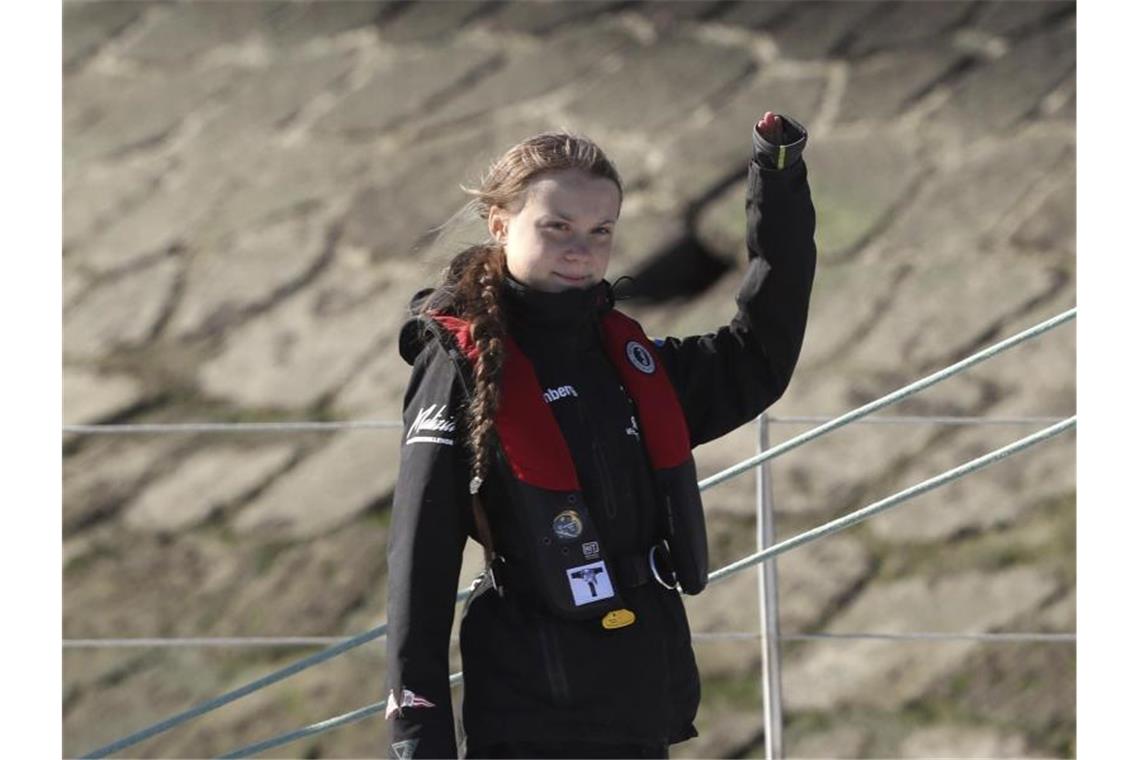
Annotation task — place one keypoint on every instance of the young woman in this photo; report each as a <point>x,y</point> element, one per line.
<point>542,422</point>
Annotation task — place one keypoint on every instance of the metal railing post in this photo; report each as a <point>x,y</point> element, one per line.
<point>769,606</point>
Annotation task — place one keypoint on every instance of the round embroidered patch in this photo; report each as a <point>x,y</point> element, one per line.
<point>567,524</point>
<point>640,357</point>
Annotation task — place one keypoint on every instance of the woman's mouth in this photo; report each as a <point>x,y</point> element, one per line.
<point>569,278</point>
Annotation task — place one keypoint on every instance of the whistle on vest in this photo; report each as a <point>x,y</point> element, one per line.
<point>618,618</point>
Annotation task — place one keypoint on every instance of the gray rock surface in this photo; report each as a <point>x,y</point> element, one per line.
<point>123,313</point>
<point>841,742</point>
<point>882,86</point>
<point>1015,18</point>
<point>757,15</point>
<point>862,181</point>
<point>530,71</point>
<point>161,223</point>
<point>308,345</point>
<point>542,17</point>
<point>105,473</point>
<point>964,742</point>
<point>90,396</point>
<point>888,674</point>
<point>88,26</point>
<point>110,115</point>
<point>326,490</point>
<point>432,22</point>
<point>812,581</point>
<point>204,484</point>
<point>910,25</point>
<point>338,572</point>
<point>719,146</point>
<point>177,34</point>
<point>1000,94</point>
<point>250,271</point>
<point>376,106</point>
<point>818,579</point>
<point>171,586</point>
<point>671,78</point>
<point>301,23</point>
<point>376,392</point>
<point>94,197</point>
<point>993,498</point>
<point>817,28</point>
<point>272,97</point>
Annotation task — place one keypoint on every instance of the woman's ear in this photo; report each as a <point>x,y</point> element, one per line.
<point>497,223</point>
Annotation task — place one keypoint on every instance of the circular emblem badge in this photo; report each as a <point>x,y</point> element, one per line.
<point>567,524</point>
<point>640,357</point>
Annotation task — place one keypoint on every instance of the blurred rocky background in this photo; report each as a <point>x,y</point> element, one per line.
<point>248,187</point>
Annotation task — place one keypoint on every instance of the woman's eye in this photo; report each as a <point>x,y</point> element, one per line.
<point>604,231</point>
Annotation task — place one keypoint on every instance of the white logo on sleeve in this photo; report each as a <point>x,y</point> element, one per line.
<point>640,357</point>
<point>431,426</point>
<point>589,583</point>
<point>408,698</point>
<point>406,749</point>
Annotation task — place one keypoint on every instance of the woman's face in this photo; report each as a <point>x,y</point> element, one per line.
<point>562,235</point>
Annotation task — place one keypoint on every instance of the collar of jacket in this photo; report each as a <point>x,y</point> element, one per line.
<point>565,316</point>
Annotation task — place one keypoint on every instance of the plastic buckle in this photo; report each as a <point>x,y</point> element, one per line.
<point>653,566</point>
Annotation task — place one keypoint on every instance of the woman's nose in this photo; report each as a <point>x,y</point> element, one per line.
<point>577,248</point>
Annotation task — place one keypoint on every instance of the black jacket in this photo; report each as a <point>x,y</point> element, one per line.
<point>527,675</point>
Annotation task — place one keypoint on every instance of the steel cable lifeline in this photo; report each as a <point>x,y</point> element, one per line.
<point>890,398</point>
<point>379,631</point>
<point>304,426</point>
<point>821,531</point>
<point>234,427</point>
<point>312,641</point>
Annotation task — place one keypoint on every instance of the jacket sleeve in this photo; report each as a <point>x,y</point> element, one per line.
<point>726,378</point>
<point>429,527</point>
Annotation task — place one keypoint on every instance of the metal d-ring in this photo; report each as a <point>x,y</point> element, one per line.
<point>656,575</point>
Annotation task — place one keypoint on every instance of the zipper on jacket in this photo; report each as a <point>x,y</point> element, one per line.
<point>608,500</point>
<point>552,655</point>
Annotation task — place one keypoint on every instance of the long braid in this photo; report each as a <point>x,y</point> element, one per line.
<point>488,328</point>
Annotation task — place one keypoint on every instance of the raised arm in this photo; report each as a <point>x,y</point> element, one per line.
<point>728,377</point>
<point>430,523</point>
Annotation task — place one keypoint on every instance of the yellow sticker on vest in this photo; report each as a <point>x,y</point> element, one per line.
<point>618,618</point>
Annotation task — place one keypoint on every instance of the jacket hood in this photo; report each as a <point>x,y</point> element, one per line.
<point>413,336</point>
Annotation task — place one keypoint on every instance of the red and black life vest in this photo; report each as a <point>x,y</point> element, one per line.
<point>569,564</point>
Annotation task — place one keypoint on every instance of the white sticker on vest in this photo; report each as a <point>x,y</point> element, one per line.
<point>589,583</point>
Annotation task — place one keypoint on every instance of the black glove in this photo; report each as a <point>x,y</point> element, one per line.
<point>781,156</point>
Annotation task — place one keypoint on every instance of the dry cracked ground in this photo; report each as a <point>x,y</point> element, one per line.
<point>247,191</point>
